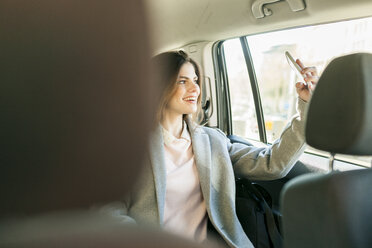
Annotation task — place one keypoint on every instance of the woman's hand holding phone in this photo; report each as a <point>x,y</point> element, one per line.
<point>309,75</point>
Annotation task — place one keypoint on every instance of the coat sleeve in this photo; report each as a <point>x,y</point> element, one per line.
<point>273,161</point>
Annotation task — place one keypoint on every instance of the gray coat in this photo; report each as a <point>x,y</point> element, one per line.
<point>217,161</point>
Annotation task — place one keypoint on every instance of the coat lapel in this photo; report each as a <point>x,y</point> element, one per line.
<point>158,168</point>
<point>202,156</point>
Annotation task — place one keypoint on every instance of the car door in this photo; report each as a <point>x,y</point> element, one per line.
<point>256,87</point>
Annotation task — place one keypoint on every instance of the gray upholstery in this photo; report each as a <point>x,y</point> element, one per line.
<point>335,209</point>
<point>341,107</point>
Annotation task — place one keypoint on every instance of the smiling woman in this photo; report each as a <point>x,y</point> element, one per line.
<point>184,209</point>
<point>186,91</point>
<point>180,77</point>
<point>188,186</point>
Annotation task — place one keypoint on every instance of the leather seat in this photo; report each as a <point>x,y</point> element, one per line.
<point>335,209</point>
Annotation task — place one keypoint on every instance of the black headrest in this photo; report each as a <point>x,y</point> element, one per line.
<point>76,102</point>
<point>340,113</point>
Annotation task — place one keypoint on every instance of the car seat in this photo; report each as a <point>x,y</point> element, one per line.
<point>335,209</point>
<point>76,109</point>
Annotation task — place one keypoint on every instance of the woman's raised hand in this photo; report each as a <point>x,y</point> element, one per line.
<point>311,77</point>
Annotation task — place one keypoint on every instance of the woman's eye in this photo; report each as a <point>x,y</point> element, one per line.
<point>182,81</point>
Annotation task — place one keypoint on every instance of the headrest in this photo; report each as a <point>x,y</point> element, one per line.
<point>75,101</point>
<point>339,118</point>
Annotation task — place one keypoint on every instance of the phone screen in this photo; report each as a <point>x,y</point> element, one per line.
<point>292,63</point>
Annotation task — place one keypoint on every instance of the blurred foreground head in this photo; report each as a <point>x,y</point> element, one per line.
<point>75,101</point>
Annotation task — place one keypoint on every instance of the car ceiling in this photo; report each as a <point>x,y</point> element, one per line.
<point>175,23</point>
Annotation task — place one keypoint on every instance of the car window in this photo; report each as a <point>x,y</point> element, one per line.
<point>314,45</point>
<point>244,121</point>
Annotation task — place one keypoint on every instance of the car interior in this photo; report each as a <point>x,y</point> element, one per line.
<point>231,42</point>
<point>55,136</point>
<point>69,136</point>
<point>334,209</point>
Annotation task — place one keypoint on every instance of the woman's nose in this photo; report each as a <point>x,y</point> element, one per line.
<point>194,87</point>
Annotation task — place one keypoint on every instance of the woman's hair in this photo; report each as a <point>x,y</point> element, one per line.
<point>166,67</point>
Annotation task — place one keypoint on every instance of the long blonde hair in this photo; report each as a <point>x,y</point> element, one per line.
<point>166,67</point>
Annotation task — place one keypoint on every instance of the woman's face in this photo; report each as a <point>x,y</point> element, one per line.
<point>187,91</point>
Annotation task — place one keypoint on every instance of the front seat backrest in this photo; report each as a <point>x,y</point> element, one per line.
<point>76,107</point>
<point>335,209</point>
<point>75,102</point>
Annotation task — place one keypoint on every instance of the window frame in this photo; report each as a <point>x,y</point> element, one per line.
<point>224,116</point>
<point>255,89</point>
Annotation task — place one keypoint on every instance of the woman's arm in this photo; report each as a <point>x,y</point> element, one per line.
<point>276,160</point>
<point>273,161</point>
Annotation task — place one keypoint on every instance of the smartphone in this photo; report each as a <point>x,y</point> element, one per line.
<point>295,66</point>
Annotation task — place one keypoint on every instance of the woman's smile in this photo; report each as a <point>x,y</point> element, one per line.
<point>187,91</point>
<point>191,99</point>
